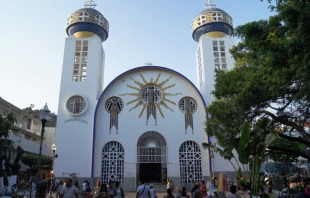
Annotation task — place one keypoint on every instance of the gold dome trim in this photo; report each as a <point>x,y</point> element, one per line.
<point>216,34</point>
<point>83,34</point>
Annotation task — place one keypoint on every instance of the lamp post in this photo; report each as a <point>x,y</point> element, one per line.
<point>44,116</point>
<point>52,171</point>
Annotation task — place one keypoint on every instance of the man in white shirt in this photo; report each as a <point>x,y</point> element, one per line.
<point>69,191</point>
<point>143,191</point>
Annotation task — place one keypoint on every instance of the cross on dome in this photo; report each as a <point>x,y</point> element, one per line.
<point>149,63</point>
<point>90,4</point>
<point>210,4</point>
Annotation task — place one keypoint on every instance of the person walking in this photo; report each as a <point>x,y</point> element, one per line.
<point>143,191</point>
<point>84,185</point>
<point>59,187</point>
<point>98,184</point>
<point>111,190</point>
<point>169,194</point>
<point>88,191</point>
<point>152,191</point>
<point>119,191</point>
<point>69,191</point>
<point>102,192</point>
<point>184,193</point>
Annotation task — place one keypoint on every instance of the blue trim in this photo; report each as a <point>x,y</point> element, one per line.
<point>209,140</point>
<point>89,27</point>
<point>212,27</point>
<point>115,79</point>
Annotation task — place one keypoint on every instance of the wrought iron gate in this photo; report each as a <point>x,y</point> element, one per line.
<point>151,154</point>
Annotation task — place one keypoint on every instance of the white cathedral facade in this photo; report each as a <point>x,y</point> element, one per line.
<point>148,122</point>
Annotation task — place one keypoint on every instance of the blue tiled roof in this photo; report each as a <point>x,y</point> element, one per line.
<point>211,10</point>
<point>88,10</point>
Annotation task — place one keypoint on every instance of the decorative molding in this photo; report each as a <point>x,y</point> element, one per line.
<point>188,106</point>
<point>114,106</point>
<point>76,105</point>
<point>76,120</point>
<point>151,96</point>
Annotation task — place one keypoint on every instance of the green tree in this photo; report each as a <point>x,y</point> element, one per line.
<point>6,145</point>
<point>270,79</point>
<point>31,160</point>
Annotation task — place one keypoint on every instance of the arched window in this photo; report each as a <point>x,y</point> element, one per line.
<point>112,162</point>
<point>190,162</point>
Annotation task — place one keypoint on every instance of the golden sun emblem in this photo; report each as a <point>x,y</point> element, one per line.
<point>151,95</point>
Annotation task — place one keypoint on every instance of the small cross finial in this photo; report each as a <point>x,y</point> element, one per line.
<point>90,4</point>
<point>209,4</point>
<point>148,63</point>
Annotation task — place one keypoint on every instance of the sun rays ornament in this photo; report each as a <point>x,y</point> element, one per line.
<point>151,96</point>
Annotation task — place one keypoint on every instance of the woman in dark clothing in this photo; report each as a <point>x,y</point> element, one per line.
<point>169,194</point>
<point>184,194</point>
<point>103,192</point>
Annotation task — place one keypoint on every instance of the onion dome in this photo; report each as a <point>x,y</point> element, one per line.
<point>212,21</point>
<point>87,21</point>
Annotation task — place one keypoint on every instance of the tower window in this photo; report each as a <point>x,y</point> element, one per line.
<point>80,61</point>
<point>224,66</point>
<point>219,55</point>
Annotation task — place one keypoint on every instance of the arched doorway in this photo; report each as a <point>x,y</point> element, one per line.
<point>112,162</point>
<point>152,157</point>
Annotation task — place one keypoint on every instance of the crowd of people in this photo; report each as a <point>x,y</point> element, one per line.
<point>199,189</point>
<point>69,190</point>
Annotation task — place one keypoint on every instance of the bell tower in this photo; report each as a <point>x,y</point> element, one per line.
<point>212,29</point>
<point>80,88</point>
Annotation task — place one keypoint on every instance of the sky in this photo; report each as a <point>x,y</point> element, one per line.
<point>33,35</point>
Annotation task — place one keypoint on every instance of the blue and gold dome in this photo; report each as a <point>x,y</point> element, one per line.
<point>214,22</point>
<point>86,22</point>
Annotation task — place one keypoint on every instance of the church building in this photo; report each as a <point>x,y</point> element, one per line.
<point>148,122</point>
